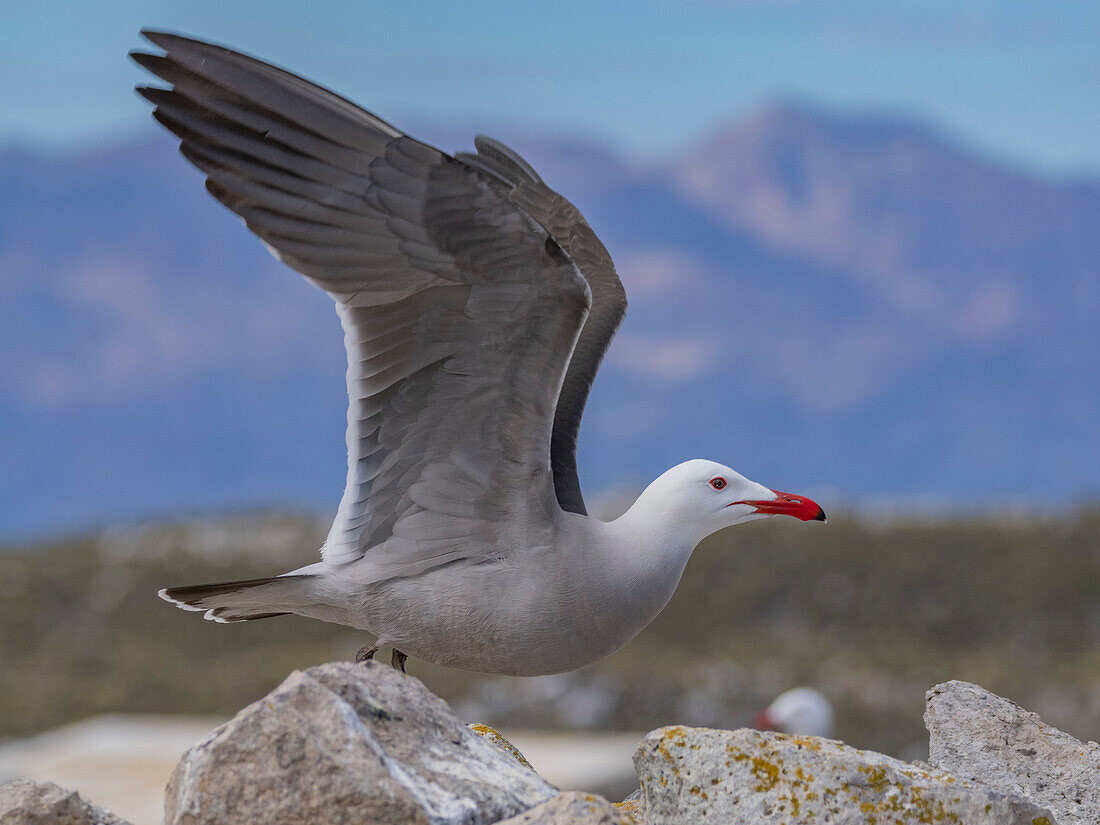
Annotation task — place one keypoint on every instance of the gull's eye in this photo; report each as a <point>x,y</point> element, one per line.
<point>718,483</point>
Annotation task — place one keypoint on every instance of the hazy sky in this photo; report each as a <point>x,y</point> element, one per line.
<point>1019,79</point>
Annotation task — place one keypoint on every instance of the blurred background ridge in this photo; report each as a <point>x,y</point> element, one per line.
<point>885,313</point>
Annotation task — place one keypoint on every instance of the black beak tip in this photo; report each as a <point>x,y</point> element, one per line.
<point>820,515</point>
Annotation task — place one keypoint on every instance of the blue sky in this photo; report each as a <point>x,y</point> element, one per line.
<point>1018,79</point>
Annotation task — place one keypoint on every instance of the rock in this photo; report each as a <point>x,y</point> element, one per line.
<point>494,736</point>
<point>349,743</point>
<point>632,805</point>
<point>573,808</point>
<point>692,775</point>
<point>976,734</point>
<point>44,803</point>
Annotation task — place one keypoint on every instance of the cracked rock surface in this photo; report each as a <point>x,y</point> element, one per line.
<point>977,734</point>
<point>748,777</point>
<point>347,743</point>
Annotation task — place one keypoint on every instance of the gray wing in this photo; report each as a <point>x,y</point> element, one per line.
<point>568,227</point>
<point>459,310</point>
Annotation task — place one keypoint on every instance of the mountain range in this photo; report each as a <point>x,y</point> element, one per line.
<point>848,305</point>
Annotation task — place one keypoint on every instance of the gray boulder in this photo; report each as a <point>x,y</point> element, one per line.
<point>976,734</point>
<point>43,803</point>
<point>573,808</point>
<point>349,743</point>
<point>692,775</point>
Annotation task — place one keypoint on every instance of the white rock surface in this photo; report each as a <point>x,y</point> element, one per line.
<point>977,734</point>
<point>346,743</point>
<point>43,803</point>
<point>748,777</point>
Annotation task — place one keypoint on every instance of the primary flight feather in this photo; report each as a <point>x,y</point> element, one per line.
<point>477,305</point>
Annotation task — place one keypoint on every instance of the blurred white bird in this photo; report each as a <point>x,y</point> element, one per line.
<point>477,305</point>
<point>802,711</point>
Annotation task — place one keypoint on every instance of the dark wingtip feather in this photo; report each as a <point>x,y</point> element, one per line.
<point>138,57</point>
<point>164,38</point>
<point>171,124</point>
<point>217,190</point>
<point>154,63</point>
<point>154,94</point>
<point>173,42</point>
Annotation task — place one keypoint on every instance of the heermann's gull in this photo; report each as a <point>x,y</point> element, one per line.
<point>477,305</point>
<point>802,711</point>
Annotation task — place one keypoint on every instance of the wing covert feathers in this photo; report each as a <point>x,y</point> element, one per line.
<point>575,237</point>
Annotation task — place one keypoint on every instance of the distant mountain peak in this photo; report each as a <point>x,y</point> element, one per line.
<point>888,198</point>
<point>785,118</point>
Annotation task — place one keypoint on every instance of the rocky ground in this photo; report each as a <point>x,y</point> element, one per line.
<point>343,743</point>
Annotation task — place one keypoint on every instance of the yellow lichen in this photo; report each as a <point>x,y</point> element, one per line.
<point>809,742</point>
<point>876,777</point>
<point>675,736</point>
<point>495,736</point>
<point>630,807</point>
<point>766,772</point>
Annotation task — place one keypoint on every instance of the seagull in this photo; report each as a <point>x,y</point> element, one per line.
<point>476,305</point>
<point>802,711</point>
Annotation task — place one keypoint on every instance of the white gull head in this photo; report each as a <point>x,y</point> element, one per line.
<point>646,549</point>
<point>701,497</point>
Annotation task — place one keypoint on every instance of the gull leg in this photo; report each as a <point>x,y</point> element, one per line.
<point>398,660</point>
<point>366,653</point>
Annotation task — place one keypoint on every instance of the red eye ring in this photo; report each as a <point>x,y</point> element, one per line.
<point>718,483</point>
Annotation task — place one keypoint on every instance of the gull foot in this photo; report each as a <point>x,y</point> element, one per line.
<point>398,660</point>
<point>365,654</point>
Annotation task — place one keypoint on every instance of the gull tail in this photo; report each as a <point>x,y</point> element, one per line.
<point>240,601</point>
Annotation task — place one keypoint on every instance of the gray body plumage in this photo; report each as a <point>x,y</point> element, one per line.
<point>476,305</point>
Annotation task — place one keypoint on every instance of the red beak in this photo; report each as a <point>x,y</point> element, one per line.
<point>788,504</point>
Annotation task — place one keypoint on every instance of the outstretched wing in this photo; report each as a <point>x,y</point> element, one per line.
<point>460,311</point>
<point>568,227</point>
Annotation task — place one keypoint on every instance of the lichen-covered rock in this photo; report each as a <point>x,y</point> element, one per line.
<point>632,805</point>
<point>573,808</point>
<point>43,803</point>
<point>348,743</point>
<point>494,736</point>
<point>976,734</point>
<point>692,775</point>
